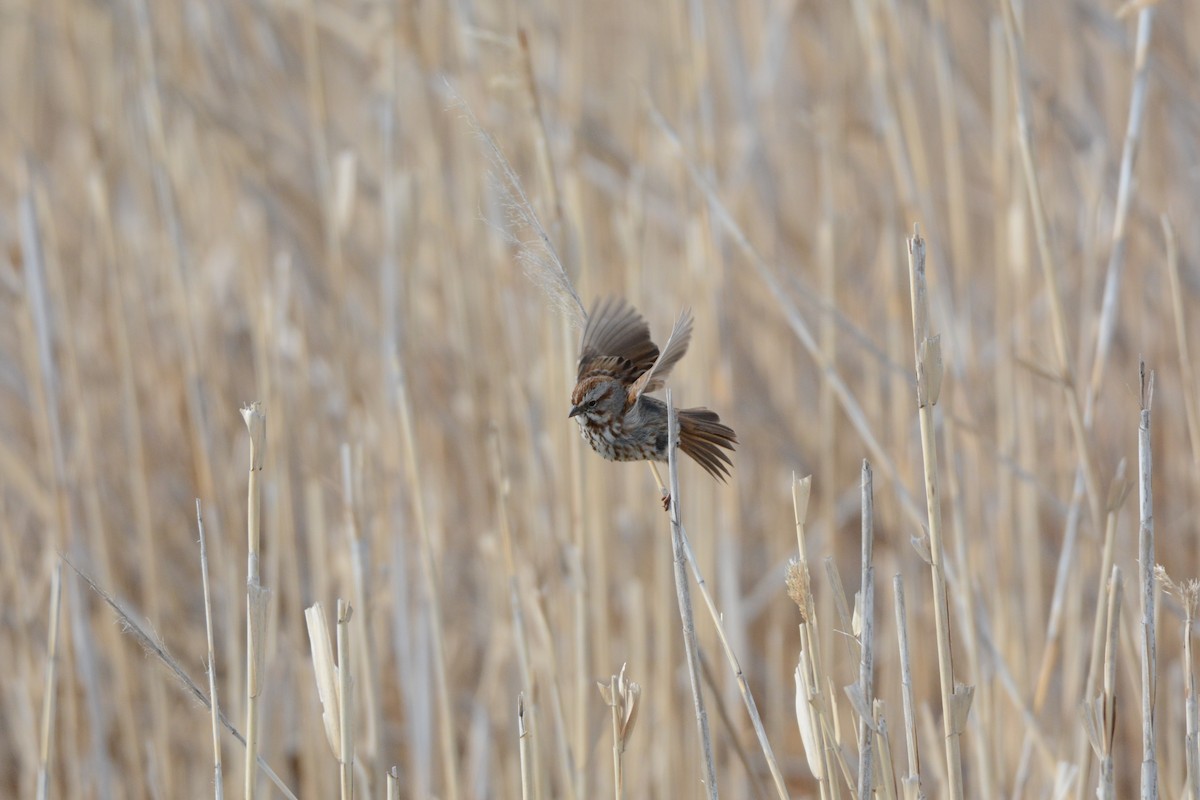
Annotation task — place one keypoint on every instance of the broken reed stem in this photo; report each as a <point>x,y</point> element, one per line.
<point>1149,783</point>
<point>1108,701</point>
<point>1192,707</point>
<point>525,746</point>
<point>429,573</point>
<point>214,706</point>
<point>256,593</point>
<point>49,691</point>
<point>929,378</point>
<point>682,594</point>
<point>345,704</point>
<point>393,783</point>
<point>866,666</point>
<point>811,709</point>
<point>617,749</point>
<point>912,781</point>
<point>734,664</point>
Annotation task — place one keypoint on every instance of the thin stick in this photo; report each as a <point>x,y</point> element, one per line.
<point>150,642</point>
<point>734,664</point>
<point>49,694</point>
<point>214,706</point>
<point>524,738</point>
<point>393,783</point>
<point>685,604</point>
<point>929,377</point>
<point>911,782</point>
<point>256,593</point>
<point>1116,498</point>
<point>866,665</point>
<point>1146,570</point>
<point>345,704</point>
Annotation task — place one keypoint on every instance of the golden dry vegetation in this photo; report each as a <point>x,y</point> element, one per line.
<point>364,215</point>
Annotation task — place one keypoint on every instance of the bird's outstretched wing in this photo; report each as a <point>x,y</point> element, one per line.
<point>616,340</point>
<point>677,344</point>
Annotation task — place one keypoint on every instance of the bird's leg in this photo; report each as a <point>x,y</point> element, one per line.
<point>662,487</point>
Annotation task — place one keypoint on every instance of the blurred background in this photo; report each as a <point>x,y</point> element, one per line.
<point>357,212</point>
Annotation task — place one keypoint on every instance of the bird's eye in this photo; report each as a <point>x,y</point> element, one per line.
<point>591,404</point>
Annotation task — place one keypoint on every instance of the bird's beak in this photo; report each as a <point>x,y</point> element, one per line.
<point>575,411</point>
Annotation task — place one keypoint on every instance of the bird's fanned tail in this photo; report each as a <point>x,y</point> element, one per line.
<point>702,436</point>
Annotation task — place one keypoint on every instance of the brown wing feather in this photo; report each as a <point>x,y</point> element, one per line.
<point>616,339</point>
<point>677,344</point>
<point>705,438</point>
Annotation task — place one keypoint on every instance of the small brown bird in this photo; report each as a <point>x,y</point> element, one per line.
<point>618,365</point>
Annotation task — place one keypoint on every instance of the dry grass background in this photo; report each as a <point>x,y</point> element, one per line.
<point>206,203</point>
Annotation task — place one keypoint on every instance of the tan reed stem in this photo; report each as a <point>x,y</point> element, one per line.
<point>929,377</point>
<point>211,667</point>
<point>256,593</point>
<point>1149,780</point>
<point>866,665</point>
<point>50,691</point>
<point>683,596</point>
<point>911,783</point>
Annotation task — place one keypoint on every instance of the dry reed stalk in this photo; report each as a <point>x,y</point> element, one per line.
<point>364,657</point>
<point>1117,492</point>
<point>1100,713</point>
<point>566,757</point>
<point>723,637</point>
<point>866,638</point>
<point>211,667</point>
<point>50,687</point>
<point>432,590</point>
<point>256,594</point>
<point>812,710</point>
<point>961,247</point>
<point>1116,258</point>
<point>118,306</point>
<point>152,644</point>
<point>393,783</point>
<point>524,735</point>
<point>955,698</point>
<point>1050,266</point>
<point>683,596</point>
<point>1190,401</point>
<point>1148,640</point>
<point>911,782</point>
<point>621,696</point>
<point>849,403</point>
<point>346,704</point>
<point>528,708</point>
<point>333,687</point>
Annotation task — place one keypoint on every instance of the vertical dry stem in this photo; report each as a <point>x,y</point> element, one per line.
<point>683,595</point>
<point>929,378</point>
<point>866,666</point>
<point>49,692</point>
<point>912,781</point>
<point>256,593</point>
<point>1146,573</point>
<point>214,705</point>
